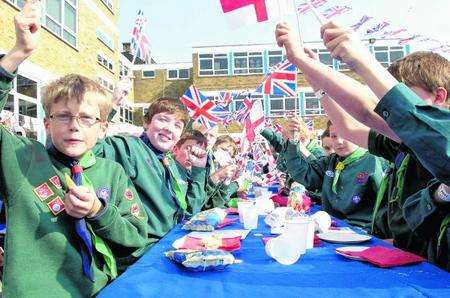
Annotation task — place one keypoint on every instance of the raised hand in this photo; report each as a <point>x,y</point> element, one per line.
<point>81,202</point>
<point>286,37</point>
<point>198,157</point>
<point>344,45</point>
<point>27,24</point>
<point>121,90</point>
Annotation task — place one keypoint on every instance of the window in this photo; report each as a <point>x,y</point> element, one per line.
<point>386,55</point>
<point>279,105</point>
<point>27,108</point>
<point>213,64</point>
<point>60,17</point>
<point>22,101</point>
<point>126,114</point>
<point>181,74</point>
<point>18,3</point>
<point>312,105</point>
<point>108,3</point>
<point>238,99</point>
<point>123,70</point>
<point>248,63</point>
<point>26,86</point>
<point>148,73</point>
<point>275,57</point>
<point>105,61</point>
<point>107,84</point>
<point>105,38</point>
<point>324,56</point>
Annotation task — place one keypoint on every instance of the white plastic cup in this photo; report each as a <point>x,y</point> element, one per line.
<point>283,249</point>
<point>322,221</point>
<point>250,218</point>
<point>297,232</point>
<point>242,206</point>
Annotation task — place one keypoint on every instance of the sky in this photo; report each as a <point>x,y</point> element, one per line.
<point>174,26</point>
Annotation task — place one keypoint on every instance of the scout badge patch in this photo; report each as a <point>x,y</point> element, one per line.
<point>362,178</point>
<point>43,191</point>
<point>56,206</point>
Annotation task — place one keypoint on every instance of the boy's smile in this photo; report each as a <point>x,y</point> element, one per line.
<point>74,127</point>
<point>164,131</point>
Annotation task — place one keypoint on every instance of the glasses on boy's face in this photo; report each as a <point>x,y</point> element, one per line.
<point>82,120</point>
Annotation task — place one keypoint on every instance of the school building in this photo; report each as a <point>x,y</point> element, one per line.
<point>82,36</point>
<point>78,36</point>
<point>242,68</point>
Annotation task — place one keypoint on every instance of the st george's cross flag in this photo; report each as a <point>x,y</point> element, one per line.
<point>253,124</point>
<point>282,80</point>
<point>245,12</point>
<point>202,109</point>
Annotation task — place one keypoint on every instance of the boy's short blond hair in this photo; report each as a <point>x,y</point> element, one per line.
<point>169,105</point>
<point>75,87</point>
<point>426,70</point>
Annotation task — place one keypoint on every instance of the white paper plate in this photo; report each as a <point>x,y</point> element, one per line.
<point>342,251</point>
<point>223,233</point>
<point>340,237</point>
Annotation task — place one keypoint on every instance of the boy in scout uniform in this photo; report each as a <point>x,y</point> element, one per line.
<point>348,179</point>
<point>190,152</point>
<point>219,184</point>
<point>426,73</point>
<point>148,162</point>
<point>72,217</point>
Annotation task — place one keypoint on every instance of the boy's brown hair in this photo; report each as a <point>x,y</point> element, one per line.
<point>192,135</point>
<point>329,123</point>
<point>426,70</point>
<point>169,105</point>
<point>75,87</point>
<point>226,139</point>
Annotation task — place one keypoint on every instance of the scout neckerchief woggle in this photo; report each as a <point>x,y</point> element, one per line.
<point>356,155</point>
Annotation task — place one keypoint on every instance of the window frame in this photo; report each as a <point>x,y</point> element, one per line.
<point>284,110</point>
<point>247,56</point>
<point>310,95</point>
<point>213,70</point>
<point>388,51</point>
<point>178,74</point>
<point>108,61</point>
<point>61,24</point>
<point>148,77</point>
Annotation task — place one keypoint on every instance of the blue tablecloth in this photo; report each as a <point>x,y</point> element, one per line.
<point>319,273</point>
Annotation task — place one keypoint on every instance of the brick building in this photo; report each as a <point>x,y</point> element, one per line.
<point>240,68</point>
<point>78,36</point>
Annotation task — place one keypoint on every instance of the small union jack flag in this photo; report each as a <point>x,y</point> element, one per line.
<point>304,7</point>
<point>361,22</point>
<point>408,40</point>
<point>377,28</point>
<point>282,80</point>
<point>335,11</point>
<point>202,109</point>
<point>225,98</point>
<point>140,44</point>
<point>243,110</point>
<point>387,34</point>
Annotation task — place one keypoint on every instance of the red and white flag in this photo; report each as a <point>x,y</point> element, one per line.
<point>253,124</point>
<point>245,12</point>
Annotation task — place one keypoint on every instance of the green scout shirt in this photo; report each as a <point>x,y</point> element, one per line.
<point>425,217</point>
<point>196,205</point>
<point>416,178</point>
<point>42,257</point>
<point>150,178</point>
<point>357,186</point>
<point>423,128</point>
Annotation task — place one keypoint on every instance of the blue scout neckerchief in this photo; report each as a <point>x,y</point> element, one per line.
<point>340,166</point>
<point>89,240</point>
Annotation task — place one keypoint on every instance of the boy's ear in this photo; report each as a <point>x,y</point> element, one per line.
<point>103,128</point>
<point>440,96</point>
<point>47,125</point>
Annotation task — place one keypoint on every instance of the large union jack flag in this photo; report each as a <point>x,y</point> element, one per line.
<point>282,80</point>
<point>202,109</point>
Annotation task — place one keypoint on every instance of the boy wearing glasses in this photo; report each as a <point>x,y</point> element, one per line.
<point>72,218</point>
